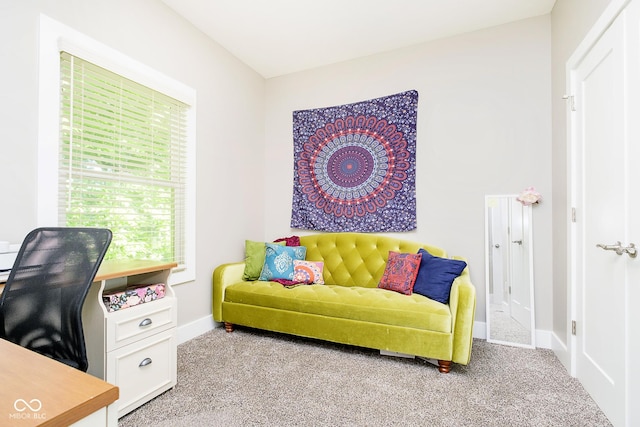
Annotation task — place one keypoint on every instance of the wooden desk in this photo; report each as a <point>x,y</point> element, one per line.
<point>38,391</point>
<point>112,269</point>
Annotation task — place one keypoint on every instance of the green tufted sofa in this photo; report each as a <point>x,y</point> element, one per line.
<point>349,308</point>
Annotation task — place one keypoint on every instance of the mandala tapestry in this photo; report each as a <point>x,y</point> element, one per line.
<point>354,166</point>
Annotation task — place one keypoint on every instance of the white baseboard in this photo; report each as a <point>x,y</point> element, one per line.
<point>195,328</point>
<point>480,330</point>
<point>562,352</point>
<point>543,339</point>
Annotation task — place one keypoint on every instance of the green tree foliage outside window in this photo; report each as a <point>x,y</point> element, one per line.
<point>122,161</point>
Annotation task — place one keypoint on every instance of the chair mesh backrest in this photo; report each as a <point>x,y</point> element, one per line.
<point>41,305</point>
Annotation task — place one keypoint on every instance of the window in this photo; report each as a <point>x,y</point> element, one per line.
<point>116,149</point>
<point>121,161</point>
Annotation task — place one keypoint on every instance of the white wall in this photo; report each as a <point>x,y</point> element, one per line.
<point>230,119</point>
<point>484,127</point>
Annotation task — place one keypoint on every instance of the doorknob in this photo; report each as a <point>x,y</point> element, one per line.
<point>619,249</point>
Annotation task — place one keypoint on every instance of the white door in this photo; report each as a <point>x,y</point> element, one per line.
<point>520,284</point>
<point>499,250</point>
<point>600,179</point>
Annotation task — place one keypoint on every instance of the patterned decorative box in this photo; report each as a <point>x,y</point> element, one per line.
<point>133,295</point>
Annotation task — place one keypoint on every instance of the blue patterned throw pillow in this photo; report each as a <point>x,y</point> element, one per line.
<point>278,262</point>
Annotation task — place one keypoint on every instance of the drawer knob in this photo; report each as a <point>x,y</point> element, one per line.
<point>145,322</point>
<point>145,362</point>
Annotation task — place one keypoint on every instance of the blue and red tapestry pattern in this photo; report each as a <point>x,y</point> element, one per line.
<point>354,166</point>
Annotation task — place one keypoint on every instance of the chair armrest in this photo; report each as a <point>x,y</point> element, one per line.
<point>224,275</point>
<point>462,303</point>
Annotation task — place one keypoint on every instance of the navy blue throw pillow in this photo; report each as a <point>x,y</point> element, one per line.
<point>436,275</point>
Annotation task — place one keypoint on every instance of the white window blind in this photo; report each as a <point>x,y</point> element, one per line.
<point>122,161</point>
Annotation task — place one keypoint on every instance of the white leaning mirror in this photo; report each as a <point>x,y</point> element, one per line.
<point>509,271</point>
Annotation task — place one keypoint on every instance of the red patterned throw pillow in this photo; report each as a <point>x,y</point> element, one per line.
<point>400,272</point>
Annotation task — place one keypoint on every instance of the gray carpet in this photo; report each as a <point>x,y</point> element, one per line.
<point>257,378</point>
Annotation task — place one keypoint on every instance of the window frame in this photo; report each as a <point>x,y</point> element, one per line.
<point>56,37</point>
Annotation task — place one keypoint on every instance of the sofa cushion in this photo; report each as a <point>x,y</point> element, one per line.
<point>400,272</point>
<point>436,275</point>
<point>357,259</point>
<point>308,271</point>
<point>254,253</point>
<point>278,261</point>
<point>356,303</point>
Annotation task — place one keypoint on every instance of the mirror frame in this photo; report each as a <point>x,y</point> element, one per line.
<point>488,278</point>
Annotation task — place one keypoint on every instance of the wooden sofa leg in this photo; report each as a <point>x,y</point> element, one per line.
<point>228,327</point>
<point>444,366</point>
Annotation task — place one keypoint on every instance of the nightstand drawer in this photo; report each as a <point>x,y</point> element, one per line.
<point>143,370</point>
<point>136,323</point>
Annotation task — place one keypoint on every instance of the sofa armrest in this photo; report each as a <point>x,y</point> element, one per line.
<point>224,275</point>
<point>462,302</point>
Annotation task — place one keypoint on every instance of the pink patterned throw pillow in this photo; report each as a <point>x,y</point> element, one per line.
<point>400,272</point>
<point>308,272</point>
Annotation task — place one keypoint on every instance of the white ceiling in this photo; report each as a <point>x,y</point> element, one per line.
<point>276,37</point>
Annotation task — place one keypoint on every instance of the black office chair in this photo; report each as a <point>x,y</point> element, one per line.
<point>41,305</point>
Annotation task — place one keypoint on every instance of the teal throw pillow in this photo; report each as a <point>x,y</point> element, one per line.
<point>278,261</point>
<point>254,254</point>
<point>436,275</point>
